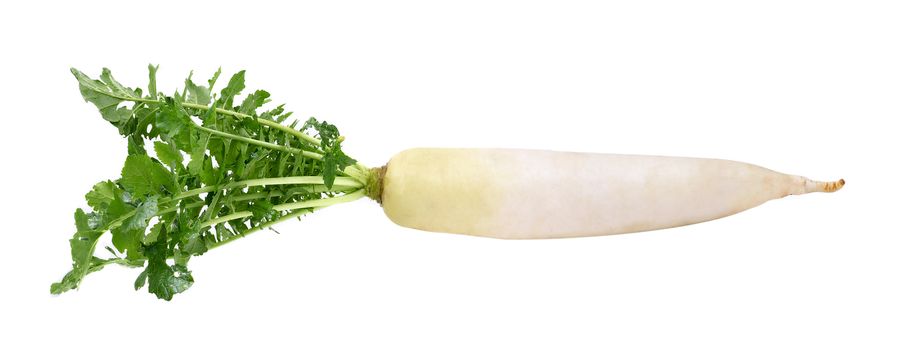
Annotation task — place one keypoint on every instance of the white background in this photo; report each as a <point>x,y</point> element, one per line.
<point>807,87</point>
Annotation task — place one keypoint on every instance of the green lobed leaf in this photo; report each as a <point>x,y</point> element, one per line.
<point>197,155</point>
<point>277,114</point>
<point>143,176</point>
<point>197,94</point>
<point>101,195</point>
<point>172,122</point>
<point>136,145</point>
<point>140,281</point>
<point>168,154</point>
<point>253,101</point>
<point>105,97</point>
<point>117,209</point>
<point>334,160</point>
<point>164,280</point>
<point>82,247</point>
<point>233,88</point>
<point>213,80</point>
<point>115,87</point>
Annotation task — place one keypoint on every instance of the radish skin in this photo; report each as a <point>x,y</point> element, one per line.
<point>529,194</point>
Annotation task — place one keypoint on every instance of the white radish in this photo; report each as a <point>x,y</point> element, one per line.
<point>525,194</point>
<point>248,171</point>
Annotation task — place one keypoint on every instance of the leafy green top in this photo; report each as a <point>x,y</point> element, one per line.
<point>219,170</point>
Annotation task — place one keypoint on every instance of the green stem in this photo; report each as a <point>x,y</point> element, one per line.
<point>354,172</point>
<point>323,202</point>
<point>297,209</point>
<point>340,184</point>
<point>314,203</point>
<point>304,153</point>
<point>225,218</point>
<point>307,189</point>
<point>263,226</point>
<point>289,180</point>
<point>269,123</point>
<point>253,196</point>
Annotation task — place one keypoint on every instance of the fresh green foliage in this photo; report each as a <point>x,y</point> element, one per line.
<point>201,171</point>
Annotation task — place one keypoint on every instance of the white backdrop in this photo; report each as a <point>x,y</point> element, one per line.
<point>807,87</point>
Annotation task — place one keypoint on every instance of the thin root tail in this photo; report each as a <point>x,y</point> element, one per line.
<point>822,186</point>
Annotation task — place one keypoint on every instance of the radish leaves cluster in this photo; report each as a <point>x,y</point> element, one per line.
<point>202,170</point>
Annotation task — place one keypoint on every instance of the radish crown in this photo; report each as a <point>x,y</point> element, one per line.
<point>220,169</point>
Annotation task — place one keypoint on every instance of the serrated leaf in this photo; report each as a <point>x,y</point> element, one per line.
<point>263,210</point>
<point>173,124</point>
<point>164,280</point>
<point>115,87</point>
<point>142,176</point>
<point>193,244</point>
<point>101,195</point>
<point>274,114</point>
<point>213,80</point>
<point>208,173</point>
<point>81,247</point>
<point>104,97</point>
<point>253,101</point>
<point>168,154</point>
<point>135,146</point>
<point>197,157</point>
<point>140,281</point>
<point>153,233</point>
<point>143,212</point>
<point>130,235</point>
<point>233,88</point>
<point>197,94</point>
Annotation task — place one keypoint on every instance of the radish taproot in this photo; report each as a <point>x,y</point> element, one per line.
<point>204,170</point>
<point>505,193</point>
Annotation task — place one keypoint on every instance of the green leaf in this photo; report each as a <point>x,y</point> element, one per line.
<point>101,195</point>
<point>334,160</point>
<point>275,114</point>
<point>105,97</point>
<point>81,247</point>
<point>143,212</point>
<point>168,154</point>
<point>142,176</point>
<point>197,94</point>
<point>115,87</point>
<point>153,233</point>
<point>199,146</point>
<point>195,245</point>
<point>190,235</point>
<point>208,174</point>
<point>152,81</point>
<point>329,172</point>
<point>213,80</point>
<point>122,239</point>
<point>140,281</point>
<point>263,210</point>
<point>253,101</point>
<point>165,280</point>
<point>144,118</point>
<point>135,145</point>
<point>172,122</point>
<point>233,88</point>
